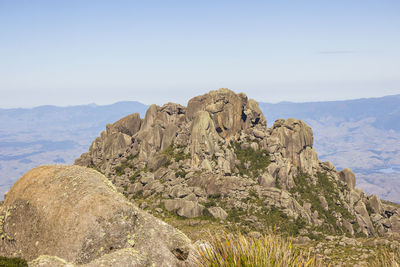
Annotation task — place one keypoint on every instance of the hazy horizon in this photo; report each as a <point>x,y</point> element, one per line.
<point>185,103</point>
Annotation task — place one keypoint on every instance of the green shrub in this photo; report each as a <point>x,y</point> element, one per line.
<point>120,170</point>
<point>134,176</point>
<point>327,188</point>
<point>214,196</point>
<point>258,159</point>
<point>207,216</point>
<point>180,173</point>
<point>176,155</point>
<point>253,193</point>
<point>12,262</point>
<point>210,203</point>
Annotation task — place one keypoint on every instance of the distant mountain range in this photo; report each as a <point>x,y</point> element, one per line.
<point>362,134</point>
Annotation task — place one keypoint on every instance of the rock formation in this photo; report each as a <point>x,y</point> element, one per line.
<point>216,158</point>
<point>56,215</point>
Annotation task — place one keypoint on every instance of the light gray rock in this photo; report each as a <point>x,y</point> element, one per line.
<point>347,176</point>
<point>184,208</point>
<point>230,112</point>
<point>294,136</point>
<point>266,180</point>
<point>363,219</point>
<point>375,204</point>
<point>218,213</point>
<point>205,165</point>
<point>328,166</point>
<point>348,226</point>
<point>203,137</point>
<point>324,203</point>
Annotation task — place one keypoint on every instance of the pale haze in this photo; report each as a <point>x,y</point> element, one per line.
<point>80,52</point>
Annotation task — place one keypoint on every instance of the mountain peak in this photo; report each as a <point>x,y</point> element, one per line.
<point>217,157</point>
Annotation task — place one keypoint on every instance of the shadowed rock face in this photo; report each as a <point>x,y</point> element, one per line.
<point>76,214</point>
<point>220,145</point>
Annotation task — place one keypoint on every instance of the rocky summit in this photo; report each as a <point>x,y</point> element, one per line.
<point>215,163</point>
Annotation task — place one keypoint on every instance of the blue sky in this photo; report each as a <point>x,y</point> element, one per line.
<point>77,52</point>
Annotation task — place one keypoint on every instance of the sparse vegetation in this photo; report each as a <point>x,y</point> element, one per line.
<point>120,170</point>
<point>252,162</point>
<point>239,250</point>
<point>132,178</point>
<point>325,187</point>
<point>94,167</point>
<point>176,153</point>
<point>386,258</point>
<point>180,173</point>
<point>12,262</point>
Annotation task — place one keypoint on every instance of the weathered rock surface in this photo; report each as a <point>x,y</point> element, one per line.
<point>218,213</point>
<point>74,214</point>
<point>184,208</point>
<point>347,176</point>
<point>230,112</point>
<point>218,154</point>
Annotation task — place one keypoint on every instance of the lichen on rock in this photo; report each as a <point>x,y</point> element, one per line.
<point>76,214</point>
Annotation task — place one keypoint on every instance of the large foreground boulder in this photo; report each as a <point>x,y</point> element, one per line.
<point>75,214</point>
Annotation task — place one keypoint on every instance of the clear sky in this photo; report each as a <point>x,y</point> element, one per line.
<point>68,52</point>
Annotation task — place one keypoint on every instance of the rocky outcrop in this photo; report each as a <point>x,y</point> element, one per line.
<point>296,142</point>
<point>217,154</point>
<point>347,176</point>
<point>113,141</point>
<point>74,214</point>
<point>184,208</point>
<point>218,213</point>
<point>230,112</point>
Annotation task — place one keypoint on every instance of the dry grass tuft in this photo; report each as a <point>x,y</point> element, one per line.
<point>386,258</point>
<point>267,251</point>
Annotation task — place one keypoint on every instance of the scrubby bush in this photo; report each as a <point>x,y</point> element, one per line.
<point>175,152</point>
<point>258,160</point>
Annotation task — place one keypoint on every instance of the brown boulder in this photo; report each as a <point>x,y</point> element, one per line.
<point>76,214</point>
